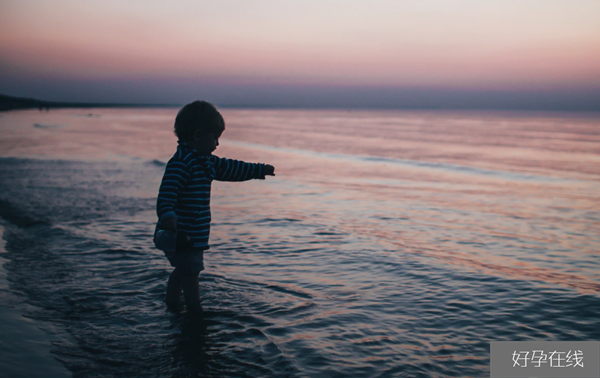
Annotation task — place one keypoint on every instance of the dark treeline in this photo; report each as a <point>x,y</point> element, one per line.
<point>14,103</point>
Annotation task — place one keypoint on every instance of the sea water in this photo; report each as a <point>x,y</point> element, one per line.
<point>390,243</point>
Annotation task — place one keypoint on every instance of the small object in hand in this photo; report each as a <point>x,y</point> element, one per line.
<point>166,240</point>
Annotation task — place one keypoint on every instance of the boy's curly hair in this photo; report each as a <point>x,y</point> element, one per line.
<point>198,115</point>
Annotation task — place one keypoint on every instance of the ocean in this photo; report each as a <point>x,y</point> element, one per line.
<point>389,243</point>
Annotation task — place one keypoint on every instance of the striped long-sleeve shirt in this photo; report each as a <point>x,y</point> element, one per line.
<point>184,193</point>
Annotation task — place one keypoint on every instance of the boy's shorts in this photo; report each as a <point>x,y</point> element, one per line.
<point>189,261</point>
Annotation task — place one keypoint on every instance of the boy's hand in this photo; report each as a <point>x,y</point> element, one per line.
<point>169,224</point>
<point>269,170</point>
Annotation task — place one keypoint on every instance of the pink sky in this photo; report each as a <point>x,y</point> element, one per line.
<point>497,45</point>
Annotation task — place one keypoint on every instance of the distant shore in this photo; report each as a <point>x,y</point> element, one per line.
<point>15,103</point>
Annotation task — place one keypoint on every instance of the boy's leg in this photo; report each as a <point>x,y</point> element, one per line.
<point>174,287</point>
<point>191,292</point>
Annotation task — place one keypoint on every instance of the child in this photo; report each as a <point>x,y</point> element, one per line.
<point>183,204</point>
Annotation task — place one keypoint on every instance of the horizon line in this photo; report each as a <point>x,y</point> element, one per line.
<point>8,103</point>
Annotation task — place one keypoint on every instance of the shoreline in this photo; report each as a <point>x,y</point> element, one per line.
<point>24,346</point>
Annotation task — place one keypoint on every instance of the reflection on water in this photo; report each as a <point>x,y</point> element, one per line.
<point>389,242</point>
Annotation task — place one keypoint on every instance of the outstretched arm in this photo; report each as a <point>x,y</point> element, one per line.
<point>236,170</point>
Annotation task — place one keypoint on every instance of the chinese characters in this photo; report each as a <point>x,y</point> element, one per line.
<point>554,359</point>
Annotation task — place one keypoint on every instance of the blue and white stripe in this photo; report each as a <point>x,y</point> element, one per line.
<point>184,193</point>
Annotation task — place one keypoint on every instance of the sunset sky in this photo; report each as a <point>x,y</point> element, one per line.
<point>329,53</point>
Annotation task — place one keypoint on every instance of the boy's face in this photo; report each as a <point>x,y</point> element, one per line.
<point>205,144</point>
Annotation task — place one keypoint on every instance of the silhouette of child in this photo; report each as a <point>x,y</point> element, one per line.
<point>183,204</point>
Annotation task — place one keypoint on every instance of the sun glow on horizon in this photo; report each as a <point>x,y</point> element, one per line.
<point>463,43</point>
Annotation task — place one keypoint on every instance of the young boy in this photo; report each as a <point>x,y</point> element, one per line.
<point>183,204</point>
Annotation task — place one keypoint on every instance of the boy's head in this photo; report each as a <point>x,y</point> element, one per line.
<point>198,119</point>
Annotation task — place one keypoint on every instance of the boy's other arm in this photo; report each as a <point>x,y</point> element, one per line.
<point>175,178</point>
<point>236,170</point>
